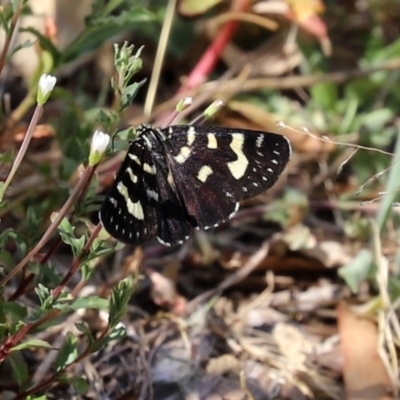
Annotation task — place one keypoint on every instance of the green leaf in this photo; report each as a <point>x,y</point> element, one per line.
<point>46,44</point>
<point>7,260</point>
<point>82,327</point>
<point>129,93</point>
<point>127,133</point>
<point>102,28</point>
<point>79,384</point>
<point>45,297</point>
<point>357,270</point>
<point>392,185</point>
<point>12,312</point>
<point>325,95</point>
<point>68,237</point>
<point>7,157</point>
<point>103,8</point>
<point>192,8</point>
<point>375,120</point>
<point>32,343</point>
<point>68,352</point>
<point>19,368</point>
<point>20,46</point>
<point>94,302</point>
<point>117,333</point>
<point>109,119</point>
<point>119,301</point>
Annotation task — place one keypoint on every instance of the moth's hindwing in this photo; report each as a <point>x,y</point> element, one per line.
<point>173,226</point>
<point>214,168</point>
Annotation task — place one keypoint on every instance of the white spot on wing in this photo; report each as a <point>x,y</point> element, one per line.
<point>148,143</point>
<point>183,155</point>
<point>191,136</point>
<point>113,201</point>
<point>204,173</point>
<point>151,169</point>
<point>212,141</point>
<point>152,194</point>
<point>133,208</point>
<point>274,161</point>
<point>134,157</point>
<point>239,166</point>
<point>234,211</point>
<point>133,177</point>
<point>162,242</point>
<point>259,141</point>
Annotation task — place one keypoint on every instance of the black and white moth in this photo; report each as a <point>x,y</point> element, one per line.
<point>181,178</point>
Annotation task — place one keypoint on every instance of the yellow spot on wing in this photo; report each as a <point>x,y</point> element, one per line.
<point>134,209</point>
<point>204,172</point>
<point>133,177</point>
<point>191,136</point>
<point>239,166</point>
<point>183,155</point>
<point>149,168</point>
<point>212,141</point>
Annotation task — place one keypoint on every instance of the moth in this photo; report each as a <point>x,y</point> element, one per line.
<point>180,178</point>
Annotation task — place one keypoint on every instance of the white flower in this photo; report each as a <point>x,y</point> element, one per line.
<point>46,85</point>
<point>188,101</point>
<point>100,141</point>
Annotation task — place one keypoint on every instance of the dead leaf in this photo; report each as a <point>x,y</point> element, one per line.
<point>364,372</point>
